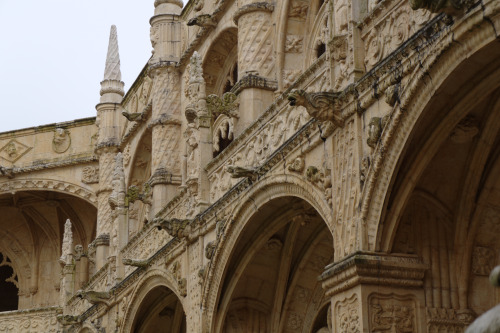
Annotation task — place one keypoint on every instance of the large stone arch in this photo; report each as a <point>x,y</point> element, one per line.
<point>152,279</point>
<point>440,66</point>
<point>48,184</point>
<point>266,190</point>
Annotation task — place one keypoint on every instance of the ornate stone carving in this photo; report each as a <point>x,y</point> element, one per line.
<point>90,175</point>
<point>67,244</point>
<point>347,318</point>
<point>242,172</point>
<point>298,10</point>
<point>135,193</point>
<point>447,6</point>
<point>227,105</point>
<point>289,77</point>
<point>142,263</point>
<point>297,165</point>
<point>483,260</point>
<point>13,151</point>
<point>374,131</point>
<point>293,43</point>
<point>133,116</point>
<point>209,249</point>
<point>204,21</point>
<point>392,313</point>
<point>175,227</point>
<point>321,106</point>
<point>61,140</point>
<point>94,297</point>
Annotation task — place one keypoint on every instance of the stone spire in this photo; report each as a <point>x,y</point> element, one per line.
<point>67,244</point>
<point>112,70</point>
<point>112,86</point>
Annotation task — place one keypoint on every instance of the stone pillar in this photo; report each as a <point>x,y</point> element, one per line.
<point>68,267</point>
<point>108,122</point>
<point>119,229</point>
<point>198,136</point>
<point>256,60</point>
<point>166,113</point>
<point>373,292</point>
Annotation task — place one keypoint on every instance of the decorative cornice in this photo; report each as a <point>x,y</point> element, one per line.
<point>373,269</point>
<point>254,81</point>
<point>253,7</point>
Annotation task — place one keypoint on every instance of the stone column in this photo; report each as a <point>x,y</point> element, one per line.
<point>68,267</point>
<point>166,113</point>
<point>256,60</point>
<point>373,292</point>
<point>108,121</point>
<point>119,229</point>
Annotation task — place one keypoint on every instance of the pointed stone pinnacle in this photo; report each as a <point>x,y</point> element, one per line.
<point>112,70</point>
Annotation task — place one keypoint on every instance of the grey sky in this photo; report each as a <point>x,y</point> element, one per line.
<point>52,56</point>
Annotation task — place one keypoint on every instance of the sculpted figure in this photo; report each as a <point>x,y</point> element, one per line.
<point>322,106</point>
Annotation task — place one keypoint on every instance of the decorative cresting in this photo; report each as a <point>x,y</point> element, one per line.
<point>323,106</point>
<point>453,7</point>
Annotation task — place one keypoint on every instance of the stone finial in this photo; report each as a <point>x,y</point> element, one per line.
<point>112,75</point>
<point>112,69</point>
<point>67,244</point>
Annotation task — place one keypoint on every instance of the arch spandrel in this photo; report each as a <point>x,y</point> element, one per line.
<point>415,98</point>
<point>267,190</point>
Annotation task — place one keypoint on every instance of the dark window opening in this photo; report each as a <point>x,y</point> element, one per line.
<point>8,290</point>
<point>320,50</point>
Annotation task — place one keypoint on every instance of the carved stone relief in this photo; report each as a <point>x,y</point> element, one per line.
<point>90,175</point>
<point>14,150</point>
<point>392,313</point>
<point>61,140</point>
<point>483,260</point>
<point>347,319</point>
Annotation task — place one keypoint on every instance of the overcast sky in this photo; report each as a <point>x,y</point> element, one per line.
<point>52,56</point>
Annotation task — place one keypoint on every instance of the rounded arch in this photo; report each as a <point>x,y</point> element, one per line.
<point>268,189</point>
<point>152,280</point>
<point>448,66</point>
<point>47,184</point>
<point>219,62</point>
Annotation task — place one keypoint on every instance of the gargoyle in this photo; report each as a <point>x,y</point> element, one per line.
<point>203,20</point>
<point>242,172</point>
<point>175,227</point>
<point>136,262</point>
<point>133,116</point>
<point>94,297</point>
<point>68,319</point>
<point>451,7</point>
<point>322,106</point>
<point>7,172</point>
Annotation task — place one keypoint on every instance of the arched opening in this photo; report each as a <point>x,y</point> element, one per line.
<point>270,282</point>
<point>160,311</point>
<point>8,285</point>
<point>32,234</point>
<point>444,205</point>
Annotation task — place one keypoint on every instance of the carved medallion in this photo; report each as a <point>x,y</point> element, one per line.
<point>61,140</point>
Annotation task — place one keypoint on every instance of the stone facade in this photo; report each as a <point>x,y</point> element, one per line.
<point>287,166</point>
